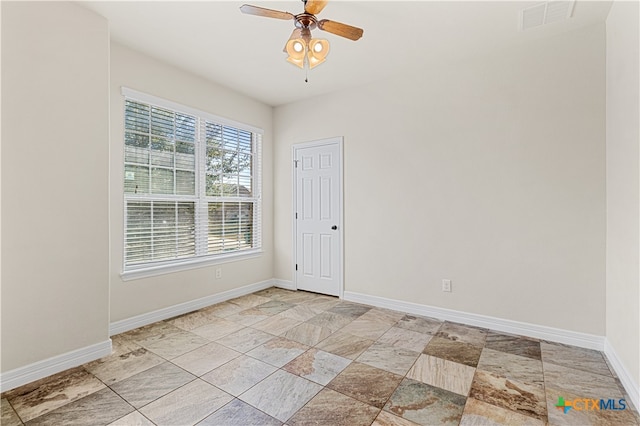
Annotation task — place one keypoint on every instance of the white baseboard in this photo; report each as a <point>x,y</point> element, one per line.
<point>625,377</point>
<point>121,326</point>
<point>21,376</point>
<point>286,284</point>
<point>574,338</point>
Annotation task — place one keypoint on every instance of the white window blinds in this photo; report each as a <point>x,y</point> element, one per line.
<point>191,184</point>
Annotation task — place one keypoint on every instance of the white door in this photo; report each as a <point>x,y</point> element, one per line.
<point>317,216</point>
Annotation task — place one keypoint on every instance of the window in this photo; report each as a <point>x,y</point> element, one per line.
<point>191,186</point>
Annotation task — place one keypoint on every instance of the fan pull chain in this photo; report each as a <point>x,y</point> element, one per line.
<point>306,75</point>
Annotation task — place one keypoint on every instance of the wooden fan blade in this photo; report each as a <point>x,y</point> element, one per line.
<point>314,6</point>
<point>268,13</point>
<point>343,30</point>
<point>297,33</point>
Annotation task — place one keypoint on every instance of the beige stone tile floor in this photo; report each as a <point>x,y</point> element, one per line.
<point>280,357</point>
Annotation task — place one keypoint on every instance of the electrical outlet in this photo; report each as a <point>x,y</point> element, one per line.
<point>218,273</point>
<point>446,285</point>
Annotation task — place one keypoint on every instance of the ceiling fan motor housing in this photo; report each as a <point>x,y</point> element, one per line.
<point>306,20</point>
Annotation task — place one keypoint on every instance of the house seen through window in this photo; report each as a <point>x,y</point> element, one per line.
<point>191,185</point>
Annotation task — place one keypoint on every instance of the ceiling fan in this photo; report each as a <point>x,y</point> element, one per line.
<point>301,47</point>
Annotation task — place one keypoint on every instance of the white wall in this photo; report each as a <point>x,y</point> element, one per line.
<point>143,73</point>
<point>55,133</point>
<point>623,185</point>
<point>490,173</point>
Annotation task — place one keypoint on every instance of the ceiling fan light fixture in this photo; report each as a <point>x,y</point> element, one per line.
<point>314,62</point>
<point>297,62</point>
<point>318,51</point>
<point>296,50</point>
<point>298,46</point>
<point>319,45</point>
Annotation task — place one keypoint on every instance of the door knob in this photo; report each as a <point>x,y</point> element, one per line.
<point>334,227</point>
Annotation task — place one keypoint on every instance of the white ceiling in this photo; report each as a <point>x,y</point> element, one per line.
<point>215,40</point>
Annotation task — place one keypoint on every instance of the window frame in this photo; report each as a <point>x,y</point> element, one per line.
<point>200,199</point>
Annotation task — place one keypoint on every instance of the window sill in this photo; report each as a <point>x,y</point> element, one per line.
<point>168,268</point>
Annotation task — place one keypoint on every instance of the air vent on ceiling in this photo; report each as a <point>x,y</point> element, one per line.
<point>546,13</point>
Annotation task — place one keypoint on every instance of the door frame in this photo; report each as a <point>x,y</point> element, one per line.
<point>337,140</point>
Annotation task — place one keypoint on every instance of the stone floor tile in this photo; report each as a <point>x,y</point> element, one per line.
<point>383,315</point>
<point>515,345</point>
<point>367,328</point>
<point>186,405</point>
<point>102,407</point>
<point>574,357</point>
<point>176,344</point>
<point>580,382</point>
<point>389,358</point>
<point>111,370</point>
<point>419,324</point>
<point>462,333</point>
<point>9,416</point>
<point>318,366</point>
<point>387,419</point>
<point>205,358</point>
<point>132,419</point>
<point>348,309</point>
<point>145,387</point>
<point>332,408</point>
<point>274,307</point>
<point>217,329</point>
<point>513,367</point>
<point>461,352</point>
<point>239,413</point>
<point>149,333</point>
<point>444,374</point>
<point>525,398</point>
<point>308,334</point>
<point>249,300</point>
<point>278,351</point>
<point>368,384</point>
<point>407,339</point>
<point>281,394</point>
<point>45,395</point>
<point>238,375</point>
<point>193,319</point>
<point>301,313</point>
<point>478,413</point>
<point>345,345</point>
<point>245,339</point>
<point>276,324</point>
<point>249,317</point>
<point>425,404</point>
<point>330,320</point>
<point>224,309</point>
